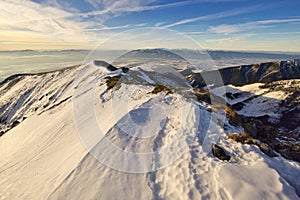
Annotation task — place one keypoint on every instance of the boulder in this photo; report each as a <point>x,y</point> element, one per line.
<point>125,69</point>
<point>219,152</point>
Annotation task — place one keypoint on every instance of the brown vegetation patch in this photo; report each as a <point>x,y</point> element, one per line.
<point>112,81</point>
<point>161,88</point>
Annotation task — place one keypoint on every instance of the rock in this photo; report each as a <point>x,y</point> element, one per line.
<point>234,118</point>
<point>266,149</point>
<point>247,74</point>
<point>203,95</point>
<point>238,106</point>
<point>250,128</point>
<point>219,153</point>
<point>15,123</point>
<point>125,69</point>
<point>105,64</point>
<point>289,150</point>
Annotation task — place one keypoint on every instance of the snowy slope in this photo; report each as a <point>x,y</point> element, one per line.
<point>47,157</point>
<point>277,101</point>
<point>24,95</point>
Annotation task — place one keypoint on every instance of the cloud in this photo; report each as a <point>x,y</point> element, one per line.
<point>62,5</point>
<point>38,18</point>
<point>158,24</point>
<point>219,15</point>
<point>236,28</point>
<point>126,26</point>
<point>195,33</point>
<point>28,22</point>
<point>229,40</point>
<point>48,24</point>
<point>109,8</point>
<point>52,3</point>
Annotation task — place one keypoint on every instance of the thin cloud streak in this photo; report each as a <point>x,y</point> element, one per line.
<point>228,13</point>
<point>235,28</point>
<point>122,8</point>
<point>116,8</point>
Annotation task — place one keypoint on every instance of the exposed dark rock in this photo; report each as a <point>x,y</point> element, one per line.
<point>229,95</point>
<point>246,74</point>
<point>237,95</point>
<point>233,96</point>
<point>234,118</point>
<point>52,97</point>
<point>219,152</point>
<point>268,138</point>
<point>289,150</point>
<point>53,106</point>
<point>15,123</point>
<point>238,106</point>
<point>266,149</point>
<point>125,69</point>
<point>105,64</point>
<point>251,129</point>
<point>203,95</point>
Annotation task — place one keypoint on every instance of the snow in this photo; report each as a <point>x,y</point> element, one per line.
<point>38,155</point>
<point>257,101</point>
<point>246,91</point>
<point>245,186</point>
<point>146,78</point>
<point>48,157</point>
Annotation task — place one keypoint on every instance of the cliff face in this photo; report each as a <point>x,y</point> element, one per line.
<point>247,74</point>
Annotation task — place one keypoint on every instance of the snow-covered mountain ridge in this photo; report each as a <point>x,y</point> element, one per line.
<point>27,94</point>
<point>44,157</point>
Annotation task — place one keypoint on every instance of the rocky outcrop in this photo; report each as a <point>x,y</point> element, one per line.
<point>247,74</point>
<point>101,63</point>
<point>268,139</point>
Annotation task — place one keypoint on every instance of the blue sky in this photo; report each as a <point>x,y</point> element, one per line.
<point>214,24</point>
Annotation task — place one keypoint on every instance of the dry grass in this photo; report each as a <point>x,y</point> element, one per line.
<point>161,88</point>
<point>112,81</point>
<point>243,138</point>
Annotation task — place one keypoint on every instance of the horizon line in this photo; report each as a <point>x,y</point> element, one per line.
<point>208,49</point>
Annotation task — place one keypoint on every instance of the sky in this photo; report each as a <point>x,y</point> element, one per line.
<point>249,25</point>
